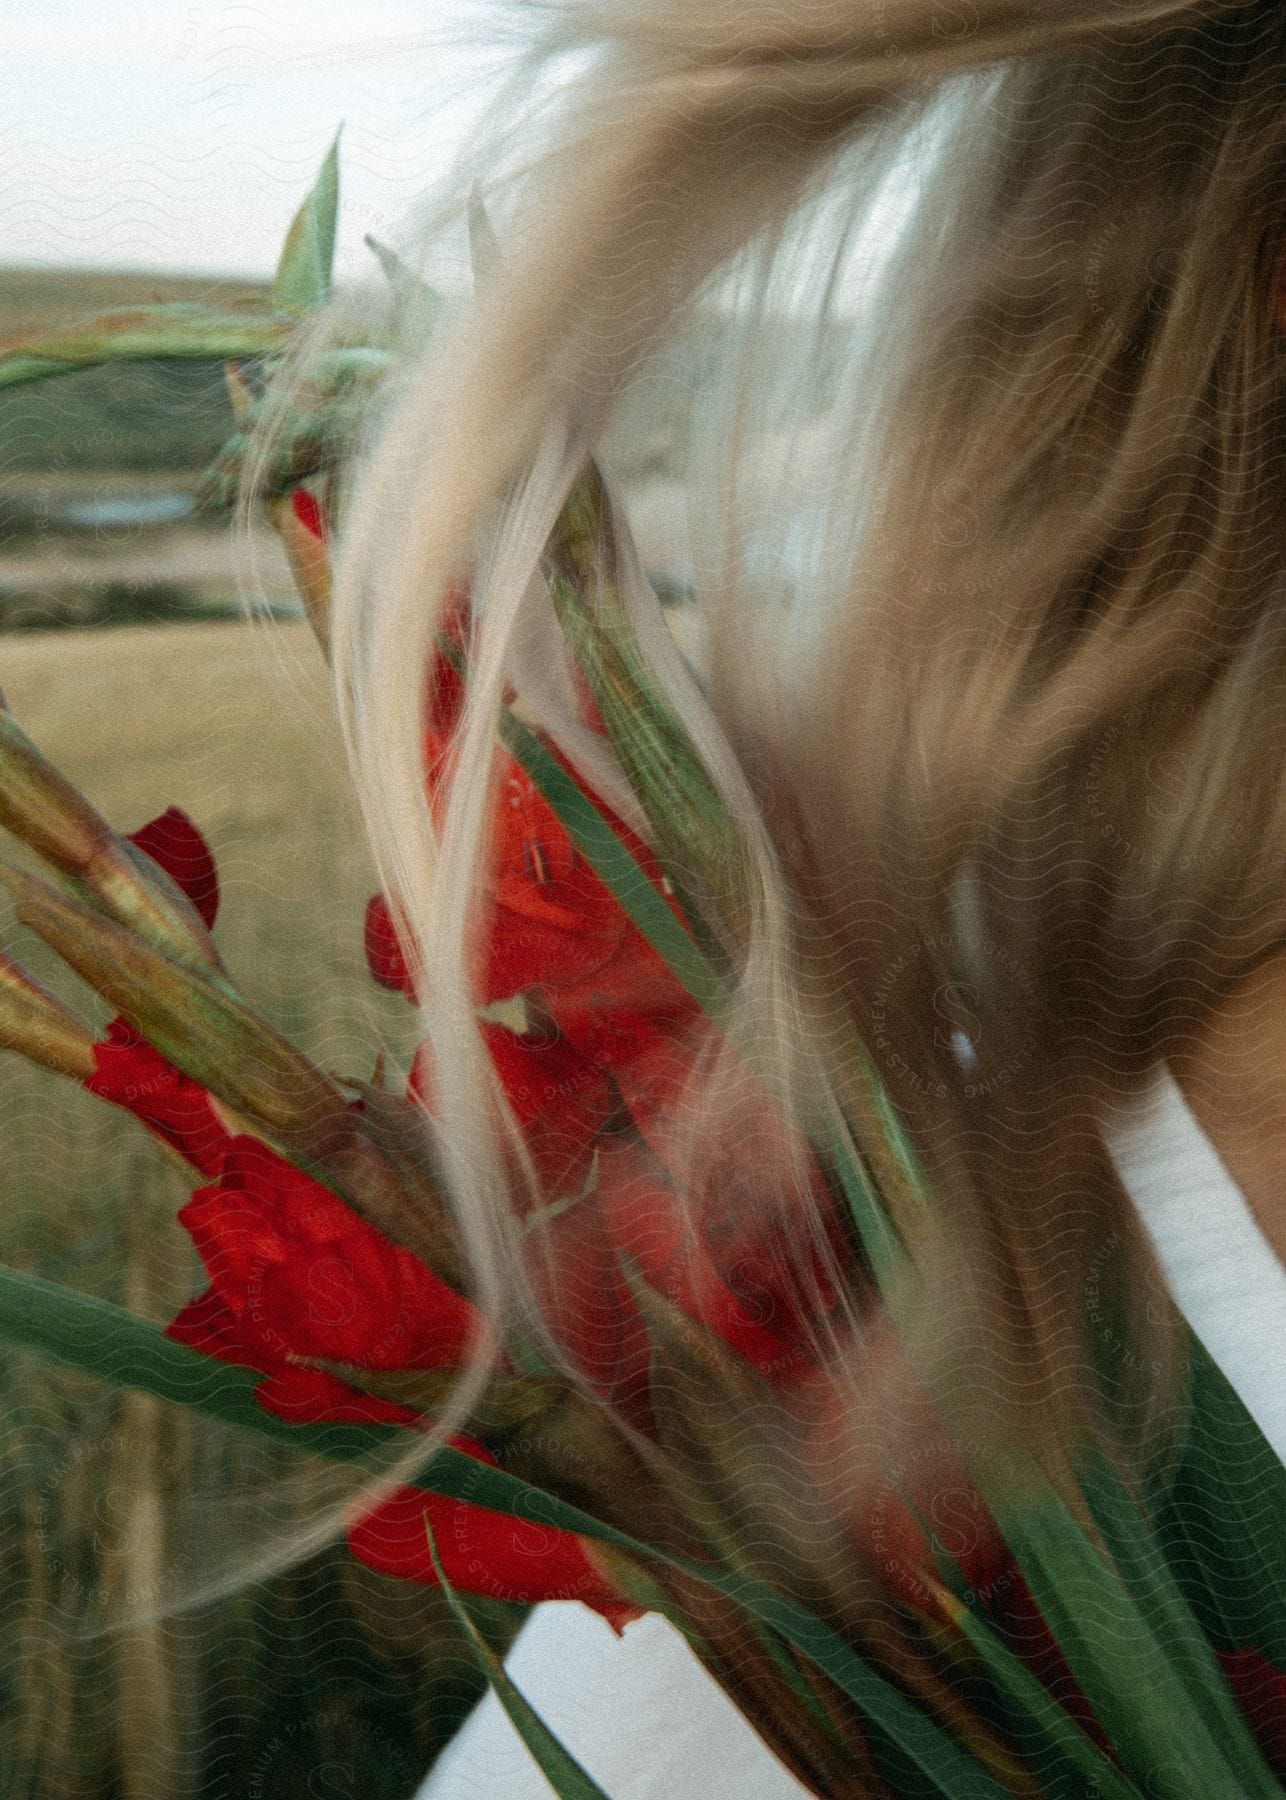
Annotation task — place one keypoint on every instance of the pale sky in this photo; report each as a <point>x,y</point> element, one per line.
<point>177,135</point>
<point>180,135</point>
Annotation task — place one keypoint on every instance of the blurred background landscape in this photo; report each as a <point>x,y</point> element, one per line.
<point>98,470</point>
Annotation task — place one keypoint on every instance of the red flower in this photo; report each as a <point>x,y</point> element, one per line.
<point>175,845</point>
<point>562,1102</point>
<point>645,1218</point>
<point>609,1007</point>
<point>130,1073</point>
<point>128,1070</point>
<point>295,1272</point>
<point>302,1273</point>
<point>385,957</point>
<point>483,1551</point>
<point>553,927</point>
<point>716,1270</point>
<point>299,1395</point>
<point>309,513</point>
<point>553,924</point>
<point>560,1099</point>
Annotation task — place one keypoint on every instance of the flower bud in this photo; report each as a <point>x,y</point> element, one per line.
<point>40,1027</point>
<point>44,811</point>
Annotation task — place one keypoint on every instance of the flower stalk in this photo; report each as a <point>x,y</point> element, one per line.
<point>38,1026</point>
<point>42,809</point>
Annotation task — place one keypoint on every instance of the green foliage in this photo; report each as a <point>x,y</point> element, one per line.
<point>142,416</point>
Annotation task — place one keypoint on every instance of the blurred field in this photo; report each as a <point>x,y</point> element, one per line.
<point>154,416</point>
<point>98,468</point>
<point>329,1669</point>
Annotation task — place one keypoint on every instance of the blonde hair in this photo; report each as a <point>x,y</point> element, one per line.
<point>997,716</point>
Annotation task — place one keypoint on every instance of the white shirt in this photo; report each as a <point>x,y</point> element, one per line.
<point>639,1711</point>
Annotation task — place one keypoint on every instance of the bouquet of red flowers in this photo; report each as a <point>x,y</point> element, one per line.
<point>962,1634</point>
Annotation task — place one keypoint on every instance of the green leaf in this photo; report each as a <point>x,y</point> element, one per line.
<point>880,1242</point>
<point>1054,1741</point>
<point>417,306</point>
<point>1139,1689</point>
<point>1224,1511</point>
<point>179,330</point>
<point>555,1762</point>
<point>1140,1558</point>
<point>303,275</point>
<point>689,820</point>
<point>484,245</point>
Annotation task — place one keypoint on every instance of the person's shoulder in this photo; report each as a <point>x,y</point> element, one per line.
<point>1225,1275</point>
<point>1233,1077</point>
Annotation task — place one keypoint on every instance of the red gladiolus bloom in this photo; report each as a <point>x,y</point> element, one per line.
<point>560,1100</point>
<point>609,1006</point>
<point>483,1551</point>
<point>303,1273</point>
<point>716,1270</point>
<point>554,923</point>
<point>553,926</point>
<point>294,1272</point>
<point>308,512</point>
<point>385,957</point>
<point>129,1071</point>
<point>175,845</point>
<point>645,1218</point>
<point>297,1394</point>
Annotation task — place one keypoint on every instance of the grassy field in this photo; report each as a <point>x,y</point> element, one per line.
<point>329,1668</point>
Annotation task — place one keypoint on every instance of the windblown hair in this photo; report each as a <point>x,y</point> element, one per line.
<point>995,692</point>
